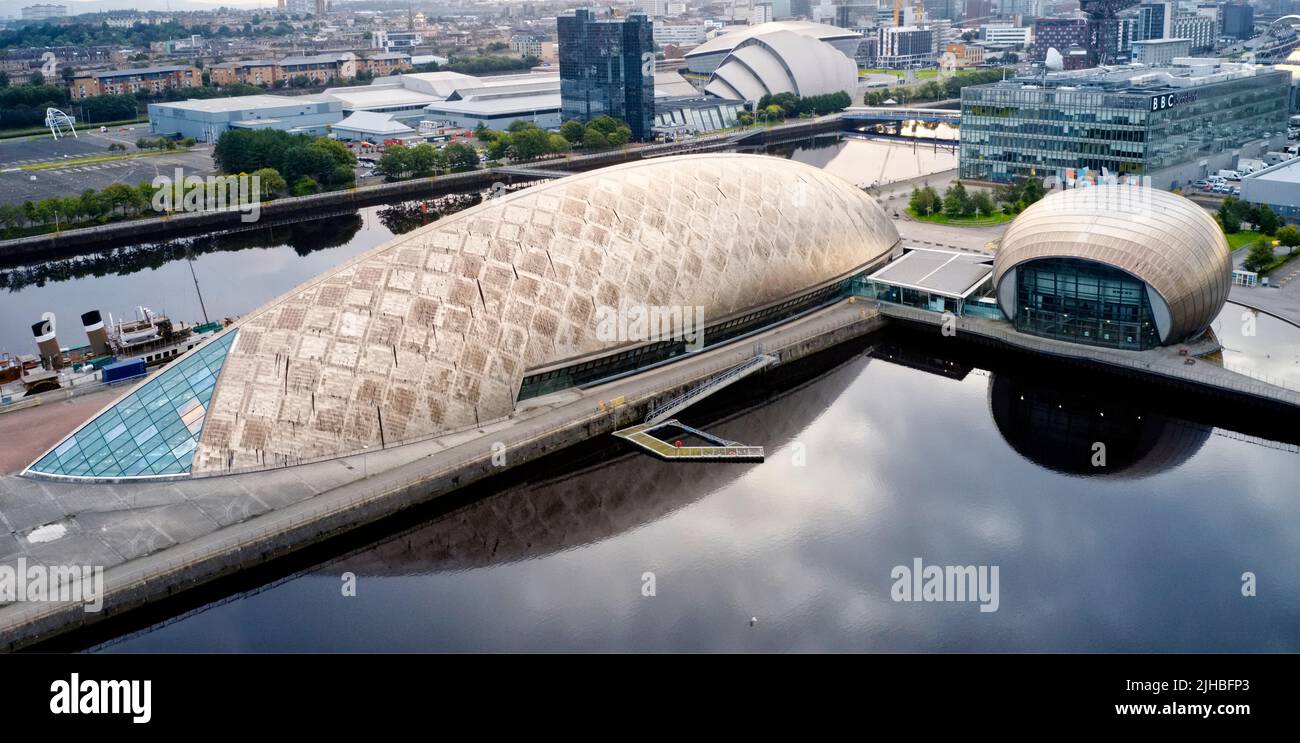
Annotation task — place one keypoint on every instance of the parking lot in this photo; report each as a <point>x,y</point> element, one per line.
<point>18,185</point>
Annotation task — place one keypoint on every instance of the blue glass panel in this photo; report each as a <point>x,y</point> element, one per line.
<point>143,433</point>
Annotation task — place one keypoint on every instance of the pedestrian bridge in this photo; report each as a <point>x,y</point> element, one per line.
<point>878,114</point>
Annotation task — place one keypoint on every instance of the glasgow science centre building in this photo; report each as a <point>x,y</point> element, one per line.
<point>454,326</point>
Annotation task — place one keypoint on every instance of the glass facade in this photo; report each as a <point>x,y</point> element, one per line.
<point>152,431</point>
<point>1064,127</point>
<point>591,371</point>
<point>1084,302</point>
<point>607,68</point>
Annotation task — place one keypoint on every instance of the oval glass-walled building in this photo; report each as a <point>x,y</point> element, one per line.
<point>1115,266</point>
<point>448,327</point>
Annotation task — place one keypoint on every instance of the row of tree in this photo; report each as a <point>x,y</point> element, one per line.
<point>139,35</point>
<point>481,64</point>
<point>599,133</point>
<point>425,160</point>
<point>1233,212</point>
<point>934,90</point>
<point>327,162</point>
<point>958,203</point>
<point>791,105</point>
<point>524,140</point>
<point>120,201</point>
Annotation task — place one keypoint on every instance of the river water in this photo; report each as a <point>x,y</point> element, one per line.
<point>878,454</point>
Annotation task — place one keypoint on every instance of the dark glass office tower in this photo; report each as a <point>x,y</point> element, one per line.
<point>607,67</point>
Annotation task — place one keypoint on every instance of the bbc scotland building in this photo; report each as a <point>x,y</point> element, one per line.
<point>1172,124</point>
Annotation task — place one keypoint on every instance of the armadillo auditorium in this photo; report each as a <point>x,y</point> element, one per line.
<point>457,324</point>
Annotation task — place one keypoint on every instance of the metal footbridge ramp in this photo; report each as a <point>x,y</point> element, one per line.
<point>718,449</point>
<point>736,373</point>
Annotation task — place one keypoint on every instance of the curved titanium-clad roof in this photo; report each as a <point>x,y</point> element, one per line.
<point>434,330</point>
<point>730,40</point>
<point>1163,239</point>
<point>783,62</point>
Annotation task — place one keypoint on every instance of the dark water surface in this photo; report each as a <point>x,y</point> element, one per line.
<point>871,463</point>
<point>949,456</point>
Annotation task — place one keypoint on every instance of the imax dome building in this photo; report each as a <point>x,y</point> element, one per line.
<point>1116,266</point>
<point>449,327</point>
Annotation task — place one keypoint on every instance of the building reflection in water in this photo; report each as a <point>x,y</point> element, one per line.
<point>620,494</point>
<point>1060,429</point>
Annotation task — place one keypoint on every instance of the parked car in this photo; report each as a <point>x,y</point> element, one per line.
<point>1236,192</point>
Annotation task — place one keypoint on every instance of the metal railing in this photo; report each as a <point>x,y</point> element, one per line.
<point>708,387</point>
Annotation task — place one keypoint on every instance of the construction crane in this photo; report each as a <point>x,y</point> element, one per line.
<point>1101,19</point>
<point>919,11</point>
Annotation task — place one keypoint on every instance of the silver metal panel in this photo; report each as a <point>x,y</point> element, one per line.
<point>433,330</point>
<point>1165,240</point>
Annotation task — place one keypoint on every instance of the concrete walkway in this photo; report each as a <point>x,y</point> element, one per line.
<point>1162,362</point>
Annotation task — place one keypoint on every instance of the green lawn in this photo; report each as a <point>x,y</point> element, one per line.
<point>895,73</point>
<point>927,73</point>
<point>989,221</point>
<point>1243,238</point>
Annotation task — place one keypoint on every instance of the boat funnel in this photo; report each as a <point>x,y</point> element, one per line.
<point>96,332</point>
<point>48,344</point>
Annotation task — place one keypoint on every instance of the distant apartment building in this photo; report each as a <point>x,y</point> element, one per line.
<point>43,12</point>
<point>607,67</point>
<point>320,68</point>
<point>978,9</point>
<point>1201,30</point>
<point>1060,34</point>
<point>681,33</point>
<point>153,80</point>
<point>530,45</point>
<point>1238,20</point>
<point>249,72</point>
<point>1160,52</point>
<point>307,7</point>
<point>390,40</point>
<point>1155,21</point>
<point>1005,34</point>
<point>957,55</point>
<point>384,64</point>
<point>907,46</point>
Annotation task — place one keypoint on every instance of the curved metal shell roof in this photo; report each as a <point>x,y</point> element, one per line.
<point>732,39</point>
<point>1165,240</point>
<point>783,62</point>
<point>435,329</point>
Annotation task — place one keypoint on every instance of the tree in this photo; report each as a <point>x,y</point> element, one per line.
<point>1260,256</point>
<point>305,186</point>
<point>460,157</point>
<point>572,130</point>
<point>1230,215</point>
<point>982,203</point>
<point>955,201</point>
<point>593,139</point>
<point>922,201</point>
<point>270,183</point>
<point>1288,236</point>
<point>1266,220</point>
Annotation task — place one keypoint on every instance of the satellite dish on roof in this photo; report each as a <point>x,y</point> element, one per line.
<point>1054,60</point>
